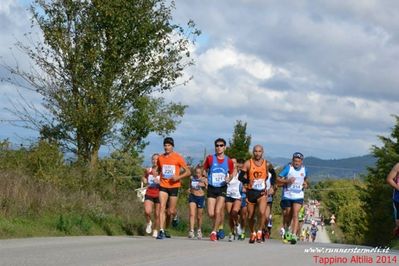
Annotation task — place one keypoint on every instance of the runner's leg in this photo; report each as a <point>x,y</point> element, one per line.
<point>163,199</point>
<point>219,211</point>
<point>295,222</point>
<point>193,210</point>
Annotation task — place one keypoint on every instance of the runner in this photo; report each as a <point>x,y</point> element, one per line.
<point>244,210</point>
<point>294,180</point>
<point>233,203</point>
<point>219,169</point>
<point>196,201</point>
<point>255,174</point>
<point>301,217</point>
<point>307,234</point>
<point>269,227</point>
<point>270,182</point>
<point>303,234</point>
<point>393,181</point>
<point>243,215</point>
<point>313,231</point>
<point>169,165</point>
<point>151,198</point>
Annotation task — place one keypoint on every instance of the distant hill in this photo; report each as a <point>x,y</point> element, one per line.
<point>333,168</point>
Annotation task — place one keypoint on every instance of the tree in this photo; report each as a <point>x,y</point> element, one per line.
<point>343,199</point>
<point>240,142</point>
<point>378,194</point>
<point>98,67</point>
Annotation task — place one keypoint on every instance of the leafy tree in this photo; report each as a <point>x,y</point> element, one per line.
<point>98,67</point>
<point>343,199</point>
<point>149,115</point>
<point>240,142</point>
<point>378,194</point>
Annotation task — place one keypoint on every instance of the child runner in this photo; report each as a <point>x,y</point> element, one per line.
<point>151,199</point>
<point>196,201</point>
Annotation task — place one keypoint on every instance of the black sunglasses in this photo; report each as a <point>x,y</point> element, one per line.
<point>219,145</point>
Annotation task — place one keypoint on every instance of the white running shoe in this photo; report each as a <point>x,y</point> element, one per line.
<point>199,234</point>
<point>148,229</point>
<point>155,233</point>
<point>191,234</point>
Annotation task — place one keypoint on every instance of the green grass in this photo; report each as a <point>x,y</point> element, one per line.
<point>70,224</point>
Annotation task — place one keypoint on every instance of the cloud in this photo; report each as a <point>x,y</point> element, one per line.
<point>319,77</point>
<point>329,76</point>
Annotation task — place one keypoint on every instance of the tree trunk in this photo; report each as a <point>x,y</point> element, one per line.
<point>94,156</point>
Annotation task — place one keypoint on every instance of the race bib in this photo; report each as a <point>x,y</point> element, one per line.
<point>218,178</point>
<point>151,180</point>
<point>168,171</point>
<point>259,184</point>
<point>295,188</point>
<point>195,184</point>
<point>294,191</point>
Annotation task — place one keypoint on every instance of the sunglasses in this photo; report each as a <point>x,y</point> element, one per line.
<point>219,145</point>
<point>298,155</point>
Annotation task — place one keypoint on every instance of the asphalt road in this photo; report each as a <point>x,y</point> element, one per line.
<point>124,250</point>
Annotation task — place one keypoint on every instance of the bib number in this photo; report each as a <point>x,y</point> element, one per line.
<point>195,185</point>
<point>218,178</point>
<point>151,180</point>
<point>295,188</point>
<point>259,184</point>
<point>168,171</point>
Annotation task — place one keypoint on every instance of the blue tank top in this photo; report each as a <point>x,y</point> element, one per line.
<point>217,172</point>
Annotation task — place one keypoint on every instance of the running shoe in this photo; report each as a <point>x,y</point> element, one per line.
<point>175,221</point>
<point>154,233</point>
<point>199,234</point>
<point>213,236</point>
<point>191,234</point>
<point>259,236</point>
<point>287,238</point>
<point>161,234</point>
<point>167,235</point>
<point>231,237</point>
<point>220,234</point>
<point>294,239</point>
<point>263,235</point>
<point>148,229</point>
<point>252,238</point>
<point>242,236</point>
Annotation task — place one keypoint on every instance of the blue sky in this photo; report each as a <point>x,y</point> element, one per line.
<point>317,77</point>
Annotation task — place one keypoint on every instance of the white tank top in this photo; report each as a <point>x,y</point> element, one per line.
<point>295,190</point>
<point>233,188</point>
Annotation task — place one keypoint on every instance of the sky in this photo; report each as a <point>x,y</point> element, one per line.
<point>318,77</point>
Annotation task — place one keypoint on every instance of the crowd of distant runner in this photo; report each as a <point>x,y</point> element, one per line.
<point>242,189</point>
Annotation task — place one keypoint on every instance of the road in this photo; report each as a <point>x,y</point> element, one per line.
<point>124,250</point>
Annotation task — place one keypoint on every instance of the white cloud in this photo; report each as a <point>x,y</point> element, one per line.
<point>319,77</point>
